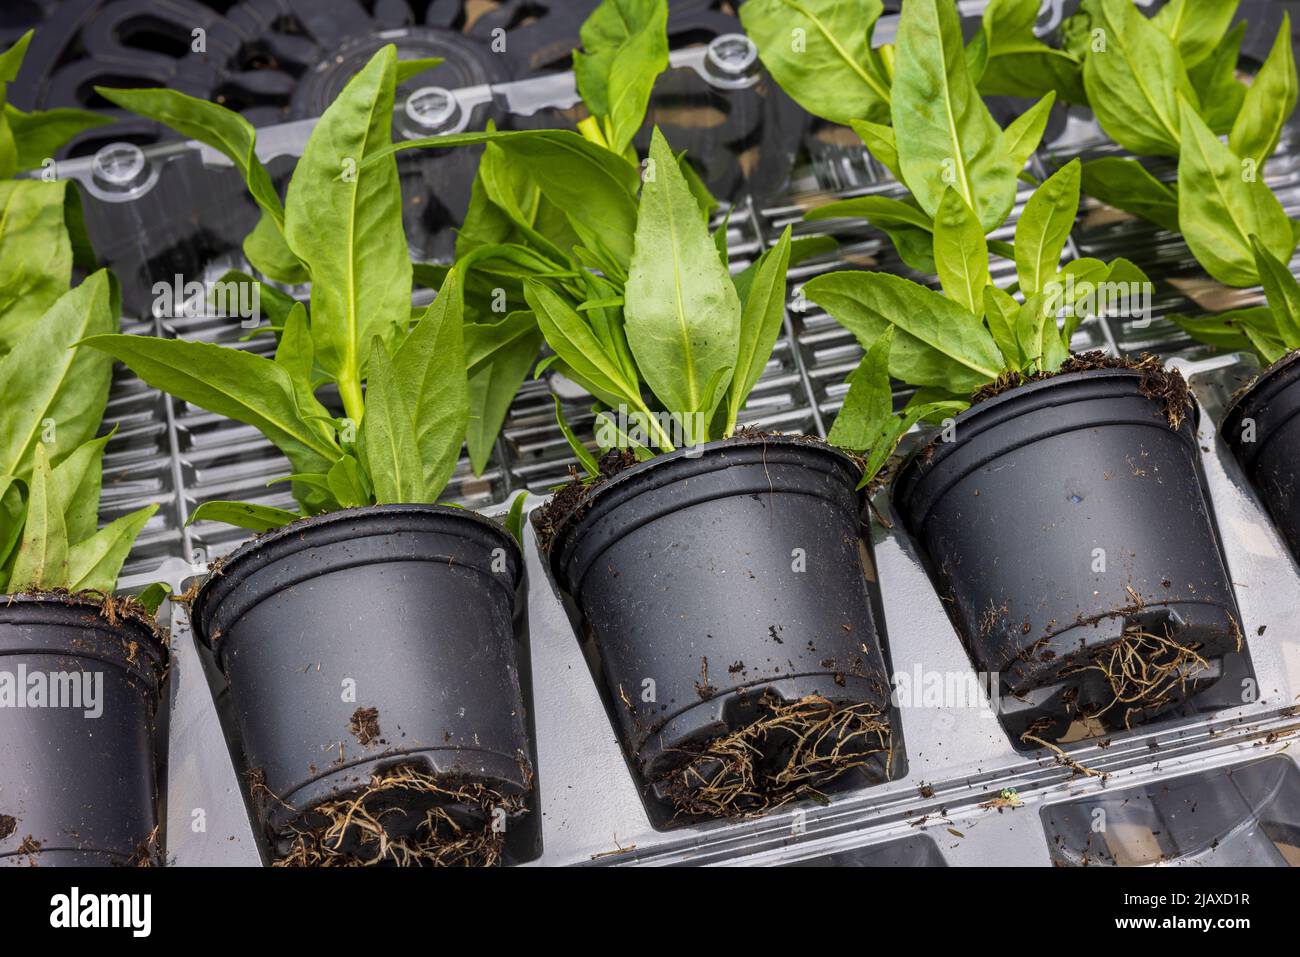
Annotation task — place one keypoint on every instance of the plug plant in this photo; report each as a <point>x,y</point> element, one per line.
<point>974,334</point>
<point>915,106</point>
<point>54,396</point>
<point>1166,86</point>
<point>401,378</point>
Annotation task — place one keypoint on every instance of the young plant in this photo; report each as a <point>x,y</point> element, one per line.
<point>942,135</point>
<point>402,379</point>
<point>1270,331</point>
<point>42,236</point>
<point>1167,86</point>
<point>54,396</point>
<point>527,214</point>
<point>50,458</point>
<point>974,334</point>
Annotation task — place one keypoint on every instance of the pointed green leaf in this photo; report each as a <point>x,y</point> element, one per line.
<point>1268,103</point>
<point>760,323</point>
<point>42,560</point>
<point>255,518</point>
<point>682,313</point>
<point>960,253</point>
<point>94,564</point>
<point>946,135</point>
<point>390,450</point>
<point>1044,227</point>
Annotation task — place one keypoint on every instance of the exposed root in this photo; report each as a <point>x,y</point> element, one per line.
<point>788,753</point>
<point>147,853</point>
<point>460,826</point>
<point>1145,672</point>
<point>1031,736</point>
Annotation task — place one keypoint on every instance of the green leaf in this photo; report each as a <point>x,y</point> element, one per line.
<point>938,343</point>
<point>343,219</point>
<point>761,316</point>
<point>94,564</point>
<point>1282,292</point>
<point>74,484</point>
<point>515,517</point>
<point>586,360</point>
<point>409,69</point>
<point>228,382</point>
<point>1125,184</point>
<point>1268,103</point>
<point>13,512</point>
<point>222,129</point>
<point>1219,210</point>
<point>1196,26</point>
<point>1215,82</point>
<point>152,596</point>
<point>35,255</point>
<point>42,560</point>
<point>869,403</point>
<point>1019,64</point>
<point>390,451</point>
<point>595,188</point>
<point>50,385</point>
<point>268,252</point>
<point>1044,227</point>
<point>41,134</point>
<point>430,371</point>
<point>683,315</point>
<point>11,60</point>
<point>1025,132</point>
<point>585,458</point>
<point>1225,330</point>
<point>830,71</point>
<point>1001,312</point>
<point>961,253</point>
<point>347,484</point>
<point>1133,87</point>
<point>625,48</point>
<point>492,389</point>
<point>946,135</point>
<point>880,142</point>
<point>255,518</point>
<point>881,211</point>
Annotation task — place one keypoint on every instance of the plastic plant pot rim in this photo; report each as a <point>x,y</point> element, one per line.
<point>1261,391</point>
<point>674,467</point>
<point>1012,404</point>
<point>313,532</point>
<point>44,610</point>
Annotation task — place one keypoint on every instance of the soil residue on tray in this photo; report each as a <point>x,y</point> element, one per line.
<point>364,725</point>
<point>404,817</point>
<point>1158,384</point>
<point>148,853</point>
<point>8,824</point>
<point>790,751</point>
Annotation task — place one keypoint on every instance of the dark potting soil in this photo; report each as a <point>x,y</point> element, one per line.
<point>1159,384</point>
<point>8,824</point>
<point>365,725</point>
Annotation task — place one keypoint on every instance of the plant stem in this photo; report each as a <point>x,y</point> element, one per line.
<point>354,405</point>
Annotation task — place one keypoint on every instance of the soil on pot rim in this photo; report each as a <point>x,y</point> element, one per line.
<point>788,752</point>
<point>1159,384</point>
<point>1268,370</point>
<point>568,503</point>
<point>460,826</point>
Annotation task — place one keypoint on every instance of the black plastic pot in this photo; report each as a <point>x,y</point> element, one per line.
<point>78,785</point>
<point>1262,427</point>
<point>707,583</point>
<point>1062,514</point>
<point>416,609</point>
